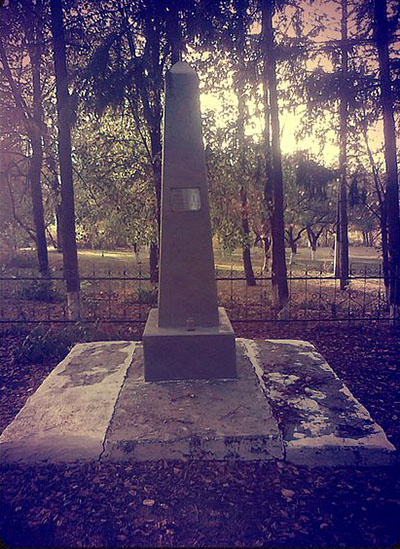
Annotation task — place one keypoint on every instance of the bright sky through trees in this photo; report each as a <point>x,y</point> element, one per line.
<point>290,123</point>
<point>290,119</point>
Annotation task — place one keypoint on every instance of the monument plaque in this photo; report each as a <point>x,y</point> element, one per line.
<point>185,199</point>
<point>187,336</point>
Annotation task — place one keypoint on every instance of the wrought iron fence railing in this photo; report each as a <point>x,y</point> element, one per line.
<point>120,297</point>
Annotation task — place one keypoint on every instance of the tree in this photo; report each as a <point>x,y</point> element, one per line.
<point>113,182</point>
<point>221,159</point>
<point>70,254</point>
<point>341,263</point>
<point>126,69</point>
<point>25,27</point>
<point>279,274</point>
<point>363,215</point>
<point>15,207</point>
<point>378,206</point>
<point>239,88</point>
<point>350,84</point>
<point>392,187</point>
<point>308,199</point>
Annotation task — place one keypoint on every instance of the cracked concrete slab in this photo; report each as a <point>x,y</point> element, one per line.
<point>322,423</point>
<point>66,419</point>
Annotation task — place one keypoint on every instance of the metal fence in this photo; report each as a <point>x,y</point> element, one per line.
<point>118,297</point>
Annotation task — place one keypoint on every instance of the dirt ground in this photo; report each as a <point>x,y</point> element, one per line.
<point>214,503</point>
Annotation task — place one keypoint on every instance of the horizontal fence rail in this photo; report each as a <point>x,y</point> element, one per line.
<point>119,297</point>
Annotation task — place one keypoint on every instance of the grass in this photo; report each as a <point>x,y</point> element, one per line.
<point>118,261</point>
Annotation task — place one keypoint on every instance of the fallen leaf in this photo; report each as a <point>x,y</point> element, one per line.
<point>148,502</point>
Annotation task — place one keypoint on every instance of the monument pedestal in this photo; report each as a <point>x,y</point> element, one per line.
<point>207,352</point>
<point>286,403</point>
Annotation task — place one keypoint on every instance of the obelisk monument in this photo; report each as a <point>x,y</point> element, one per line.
<point>188,336</point>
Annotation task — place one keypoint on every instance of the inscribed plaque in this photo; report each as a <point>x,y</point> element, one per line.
<point>185,199</point>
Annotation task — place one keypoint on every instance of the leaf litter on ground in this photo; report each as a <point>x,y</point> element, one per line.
<point>204,503</point>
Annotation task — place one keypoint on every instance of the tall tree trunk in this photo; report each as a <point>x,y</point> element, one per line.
<point>267,195</point>
<point>341,262</point>
<point>34,128</point>
<point>34,174</point>
<point>153,121</point>
<point>380,193</point>
<point>265,218</point>
<point>279,274</point>
<point>385,251</point>
<point>58,227</point>
<point>241,145</point>
<point>266,247</point>
<point>392,185</point>
<point>149,88</point>
<point>246,250</point>
<point>70,254</point>
<point>36,161</point>
<point>156,166</point>
<point>313,240</point>
<point>152,110</point>
<point>246,253</point>
<point>291,240</point>
<point>153,262</point>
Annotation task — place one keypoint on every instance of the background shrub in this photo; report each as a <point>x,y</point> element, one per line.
<point>23,261</point>
<point>149,297</point>
<point>44,342</point>
<point>39,290</point>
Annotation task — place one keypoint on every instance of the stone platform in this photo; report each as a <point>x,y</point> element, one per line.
<point>286,404</point>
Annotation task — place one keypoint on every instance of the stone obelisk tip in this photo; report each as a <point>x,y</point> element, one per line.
<point>181,67</point>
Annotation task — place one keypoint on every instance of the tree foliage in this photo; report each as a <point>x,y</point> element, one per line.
<point>118,53</point>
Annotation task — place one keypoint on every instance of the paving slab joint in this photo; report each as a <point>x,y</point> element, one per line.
<point>251,350</point>
<point>104,441</point>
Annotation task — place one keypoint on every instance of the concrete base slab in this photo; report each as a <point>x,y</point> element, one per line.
<point>322,423</point>
<point>286,404</point>
<point>176,353</point>
<point>66,419</point>
<point>193,419</point>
